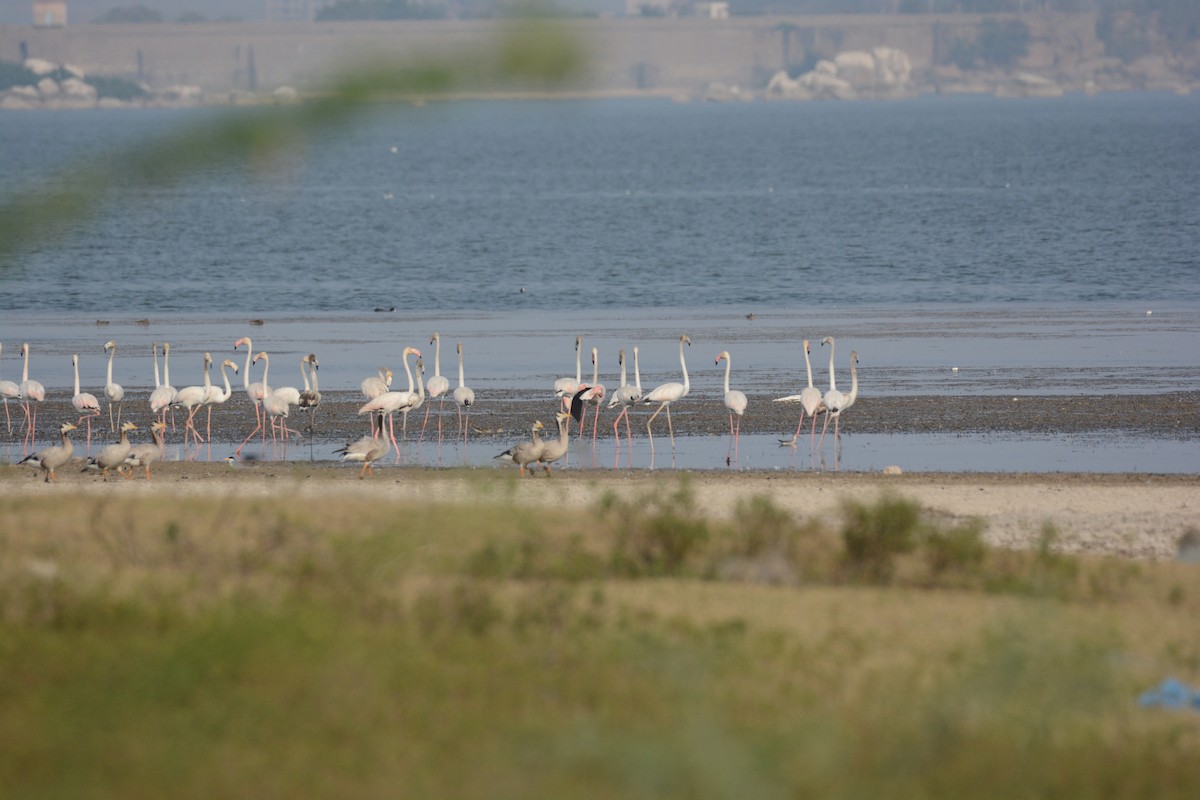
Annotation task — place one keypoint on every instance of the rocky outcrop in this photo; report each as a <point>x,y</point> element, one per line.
<point>881,72</point>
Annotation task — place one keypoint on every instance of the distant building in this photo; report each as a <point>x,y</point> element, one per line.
<point>713,10</point>
<point>294,10</point>
<point>49,13</point>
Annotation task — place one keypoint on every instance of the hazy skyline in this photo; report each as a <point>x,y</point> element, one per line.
<point>20,12</point>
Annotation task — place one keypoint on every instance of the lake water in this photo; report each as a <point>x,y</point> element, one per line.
<point>1022,241</point>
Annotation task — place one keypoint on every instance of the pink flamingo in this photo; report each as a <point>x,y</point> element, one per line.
<point>164,393</point>
<point>464,396</point>
<point>85,403</point>
<point>9,391</point>
<point>388,403</point>
<point>626,396</point>
<point>594,396</point>
<point>31,390</point>
<point>810,403</point>
<point>668,393</point>
<point>437,386</point>
<point>735,401</point>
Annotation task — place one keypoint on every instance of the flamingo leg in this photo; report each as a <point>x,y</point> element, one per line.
<point>595,423</point>
<point>650,421</point>
<point>824,428</point>
<point>670,428</point>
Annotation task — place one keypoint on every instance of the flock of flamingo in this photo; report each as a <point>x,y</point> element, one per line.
<point>272,407</point>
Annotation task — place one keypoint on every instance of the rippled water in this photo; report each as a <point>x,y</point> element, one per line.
<point>1021,242</point>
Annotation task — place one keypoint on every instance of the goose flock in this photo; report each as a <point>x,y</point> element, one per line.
<point>273,405</point>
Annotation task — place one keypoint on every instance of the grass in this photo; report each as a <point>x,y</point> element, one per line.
<point>294,647</point>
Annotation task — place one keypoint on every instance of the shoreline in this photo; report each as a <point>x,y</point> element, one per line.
<point>1134,516</point>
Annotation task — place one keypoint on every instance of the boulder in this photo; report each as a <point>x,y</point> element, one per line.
<point>39,66</point>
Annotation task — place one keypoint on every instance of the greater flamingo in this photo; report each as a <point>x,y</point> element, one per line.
<point>9,391</point>
<point>163,395</point>
<point>85,403</point>
<point>215,396</point>
<point>275,403</point>
<point>464,396</point>
<point>735,401</point>
<point>626,396</point>
<point>810,403</point>
<point>31,390</point>
<point>255,391</point>
<point>437,386</point>
<point>372,387</point>
<point>594,396</point>
<point>846,400</point>
<point>388,403</point>
<point>310,398</point>
<point>565,387</point>
<point>190,398</point>
<point>113,391</point>
<point>415,401</point>
<point>668,393</point>
<point>834,399</point>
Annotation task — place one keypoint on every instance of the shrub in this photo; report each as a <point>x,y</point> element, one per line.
<point>873,536</point>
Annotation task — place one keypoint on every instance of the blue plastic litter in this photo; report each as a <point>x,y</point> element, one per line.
<point>1171,693</point>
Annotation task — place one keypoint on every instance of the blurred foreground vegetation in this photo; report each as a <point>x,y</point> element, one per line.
<point>325,646</point>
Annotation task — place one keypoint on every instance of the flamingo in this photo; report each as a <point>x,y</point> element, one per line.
<point>190,398</point>
<point>565,387</point>
<point>310,398</point>
<point>275,404</point>
<point>735,401</point>
<point>389,403</point>
<point>668,393</point>
<point>113,391</point>
<point>85,403</point>
<point>9,391</point>
<point>846,401</point>
<point>464,396</point>
<point>30,390</point>
<point>417,400</point>
<point>437,386</point>
<point>215,396</point>
<point>255,391</point>
<point>163,395</point>
<point>529,452</point>
<point>810,403</point>
<point>626,396</point>
<point>594,396</point>
<point>834,399</point>
<point>52,458</point>
<point>373,386</point>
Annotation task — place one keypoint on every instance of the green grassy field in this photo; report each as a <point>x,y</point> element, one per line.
<point>298,647</point>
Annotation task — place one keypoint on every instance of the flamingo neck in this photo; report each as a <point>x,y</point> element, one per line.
<point>408,372</point>
<point>266,366</point>
<point>728,364</point>
<point>76,362</point>
<point>461,381</point>
<point>853,381</point>
<point>25,369</point>
<point>228,388</point>
<point>166,366</point>
<point>246,369</point>
<point>687,386</point>
<point>437,356</point>
<point>304,374</point>
<point>578,365</point>
<point>808,367</point>
<point>154,354</point>
<point>623,381</point>
<point>637,372</point>
<point>832,379</point>
<point>595,369</point>
<point>111,353</point>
